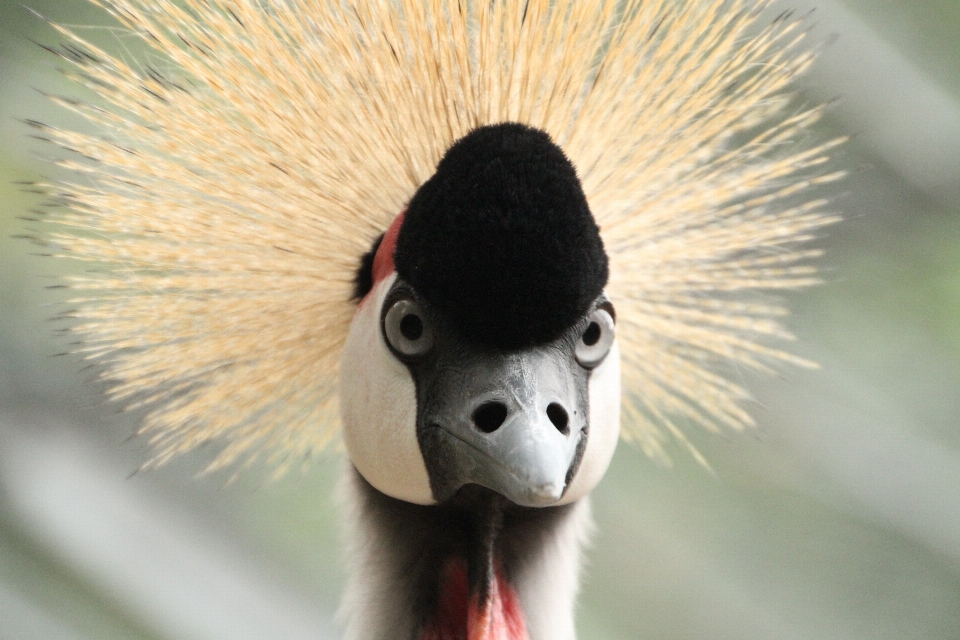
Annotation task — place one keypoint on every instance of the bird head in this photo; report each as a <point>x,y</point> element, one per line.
<point>483,350</point>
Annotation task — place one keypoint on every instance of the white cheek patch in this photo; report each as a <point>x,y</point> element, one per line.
<point>378,408</point>
<point>604,398</point>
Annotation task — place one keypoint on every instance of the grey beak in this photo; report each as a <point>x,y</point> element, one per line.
<point>513,423</point>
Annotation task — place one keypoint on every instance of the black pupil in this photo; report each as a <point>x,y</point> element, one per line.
<point>411,326</point>
<point>591,336</point>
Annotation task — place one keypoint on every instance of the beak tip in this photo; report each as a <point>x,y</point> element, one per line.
<point>544,494</point>
<point>553,489</point>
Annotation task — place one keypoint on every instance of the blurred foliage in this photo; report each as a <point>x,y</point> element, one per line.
<point>925,30</point>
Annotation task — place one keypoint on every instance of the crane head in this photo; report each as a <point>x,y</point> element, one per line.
<point>483,351</point>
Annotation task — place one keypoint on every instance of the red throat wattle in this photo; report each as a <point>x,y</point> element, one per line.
<point>461,615</point>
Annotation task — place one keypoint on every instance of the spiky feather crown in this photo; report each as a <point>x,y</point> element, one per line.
<point>237,181</point>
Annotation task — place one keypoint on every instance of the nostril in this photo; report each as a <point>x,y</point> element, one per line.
<point>489,416</point>
<point>558,416</point>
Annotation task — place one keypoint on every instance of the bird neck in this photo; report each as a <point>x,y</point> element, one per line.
<point>475,568</point>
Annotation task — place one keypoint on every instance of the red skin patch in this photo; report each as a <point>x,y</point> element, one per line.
<point>383,262</point>
<point>461,616</point>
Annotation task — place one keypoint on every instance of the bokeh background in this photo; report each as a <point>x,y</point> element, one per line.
<point>839,517</point>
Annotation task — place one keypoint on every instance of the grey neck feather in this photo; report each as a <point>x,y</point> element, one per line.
<point>396,551</point>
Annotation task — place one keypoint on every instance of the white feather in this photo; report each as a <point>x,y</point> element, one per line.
<point>378,408</point>
<point>604,398</point>
<point>549,583</point>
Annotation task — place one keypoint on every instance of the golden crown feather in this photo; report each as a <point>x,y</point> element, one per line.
<point>230,187</point>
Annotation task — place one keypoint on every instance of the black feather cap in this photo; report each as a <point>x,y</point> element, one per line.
<point>501,241</point>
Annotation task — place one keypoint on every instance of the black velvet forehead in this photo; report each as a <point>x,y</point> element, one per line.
<point>501,239</point>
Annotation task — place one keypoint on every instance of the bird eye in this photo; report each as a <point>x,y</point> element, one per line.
<point>407,330</point>
<point>596,339</point>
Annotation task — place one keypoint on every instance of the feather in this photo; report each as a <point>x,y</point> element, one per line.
<point>230,189</point>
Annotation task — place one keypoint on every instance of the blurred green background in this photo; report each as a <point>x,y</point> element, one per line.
<point>839,517</point>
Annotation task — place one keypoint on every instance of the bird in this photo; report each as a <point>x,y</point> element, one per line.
<point>471,244</point>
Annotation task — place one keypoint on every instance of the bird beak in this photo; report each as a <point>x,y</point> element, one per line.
<point>513,423</point>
